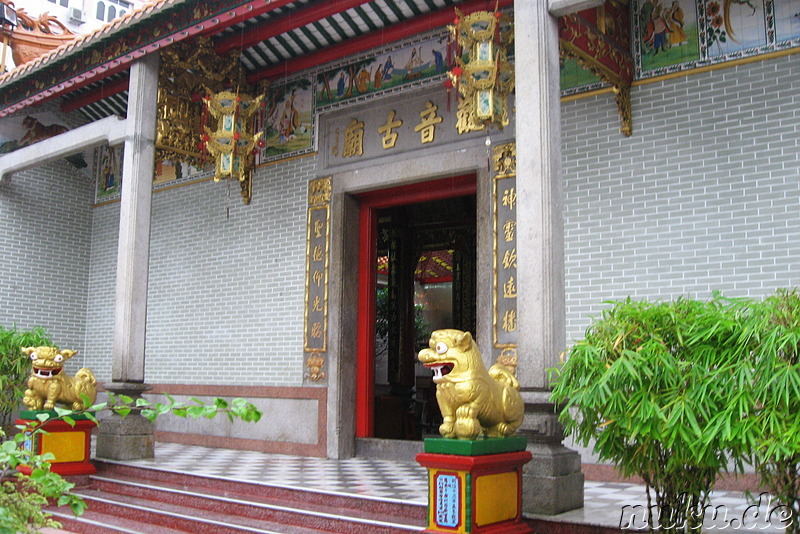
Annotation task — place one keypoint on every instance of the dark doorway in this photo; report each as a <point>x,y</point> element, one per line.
<point>423,279</point>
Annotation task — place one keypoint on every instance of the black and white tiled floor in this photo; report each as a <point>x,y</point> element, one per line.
<point>605,503</point>
<point>402,481</point>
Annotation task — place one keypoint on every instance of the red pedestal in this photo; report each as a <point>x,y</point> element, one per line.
<point>69,444</point>
<point>475,494</point>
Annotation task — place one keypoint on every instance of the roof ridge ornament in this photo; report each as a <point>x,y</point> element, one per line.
<point>34,37</point>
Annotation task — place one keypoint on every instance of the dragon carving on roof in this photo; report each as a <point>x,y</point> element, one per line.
<point>34,37</point>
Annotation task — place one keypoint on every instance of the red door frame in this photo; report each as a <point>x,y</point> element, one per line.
<point>369,204</point>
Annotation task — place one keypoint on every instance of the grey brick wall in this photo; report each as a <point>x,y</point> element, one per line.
<point>45,240</point>
<point>225,298</point>
<point>704,196</point>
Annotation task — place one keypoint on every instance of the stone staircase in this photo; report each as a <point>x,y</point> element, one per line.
<point>131,499</point>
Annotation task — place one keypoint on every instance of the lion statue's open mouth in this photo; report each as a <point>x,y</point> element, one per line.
<point>45,373</point>
<point>440,370</point>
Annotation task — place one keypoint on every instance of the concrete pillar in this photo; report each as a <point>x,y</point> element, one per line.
<point>132,437</point>
<point>553,482</point>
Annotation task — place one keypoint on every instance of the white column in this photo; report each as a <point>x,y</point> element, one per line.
<point>133,437</point>
<point>552,481</point>
<point>540,227</point>
<point>134,230</point>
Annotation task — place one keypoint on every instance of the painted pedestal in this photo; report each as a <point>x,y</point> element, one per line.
<point>475,486</point>
<point>69,444</point>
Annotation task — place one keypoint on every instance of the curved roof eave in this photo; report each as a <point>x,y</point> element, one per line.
<point>112,48</point>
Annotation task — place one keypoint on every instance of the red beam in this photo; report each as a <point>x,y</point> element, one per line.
<point>93,96</point>
<point>291,21</point>
<point>372,39</point>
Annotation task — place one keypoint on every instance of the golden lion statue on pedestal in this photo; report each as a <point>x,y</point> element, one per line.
<point>47,384</point>
<point>472,399</point>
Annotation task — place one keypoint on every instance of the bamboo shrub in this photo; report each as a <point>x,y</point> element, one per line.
<point>645,384</point>
<point>15,367</point>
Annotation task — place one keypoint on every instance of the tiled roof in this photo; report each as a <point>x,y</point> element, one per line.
<point>82,41</point>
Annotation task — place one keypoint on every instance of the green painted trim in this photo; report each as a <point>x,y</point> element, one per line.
<point>468,498</point>
<point>30,415</point>
<point>366,18</point>
<point>475,447</point>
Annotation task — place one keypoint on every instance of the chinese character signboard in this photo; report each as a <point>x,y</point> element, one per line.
<point>448,500</point>
<point>391,128</point>
<point>504,198</point>
<point>316,302</point>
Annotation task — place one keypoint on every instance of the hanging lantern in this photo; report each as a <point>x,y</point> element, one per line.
<point>233,142</point>
<point>482,74</point>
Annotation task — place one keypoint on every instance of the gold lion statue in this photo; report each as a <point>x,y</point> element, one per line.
<point>48,384</point>
<point>473,400</point>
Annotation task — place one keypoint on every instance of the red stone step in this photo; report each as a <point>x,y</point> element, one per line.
<point>147,517</point>
<point>327,502</point>
<point>153,500</point>
<point>97,523</point>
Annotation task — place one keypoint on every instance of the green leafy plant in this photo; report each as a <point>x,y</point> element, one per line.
<point>676,392</point>
<point>643,385</point>
<point>23,497</point>
<point>769,436</point>
<point>15,368</point>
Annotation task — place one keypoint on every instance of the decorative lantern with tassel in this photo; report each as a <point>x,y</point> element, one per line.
<point>485,78</point>
<point>232,143</point>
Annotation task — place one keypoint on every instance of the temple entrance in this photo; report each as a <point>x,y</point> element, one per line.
<point>417,273</point>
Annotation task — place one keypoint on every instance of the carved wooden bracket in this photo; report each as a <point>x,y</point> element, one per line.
<point>599,39</point>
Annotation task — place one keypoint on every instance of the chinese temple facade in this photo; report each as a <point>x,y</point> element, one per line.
<point>649,149</point>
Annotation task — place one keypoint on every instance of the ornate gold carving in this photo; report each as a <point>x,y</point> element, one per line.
<point>319,192</point>
<point>504,204</point>
<point>316,282</point>
<point>508,358</point>
<point>353,139</point>
<point>187,70</point>
<point>472,400</point>
<point>505,160</point>
<point>48,384</point>
<point>604,52</point>
<point>622,95</point>
<point>314,364</point>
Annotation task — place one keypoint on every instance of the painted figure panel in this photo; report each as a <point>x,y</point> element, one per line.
<point>408,64</point>
<point>108,172</point>
<point>288,120</point>
<point>668,33</point>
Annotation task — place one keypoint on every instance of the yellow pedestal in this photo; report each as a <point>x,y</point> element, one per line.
<point>475,494</point>
<point>69,444</point>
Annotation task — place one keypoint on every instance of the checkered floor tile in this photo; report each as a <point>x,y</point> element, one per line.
<point>402,481</point>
